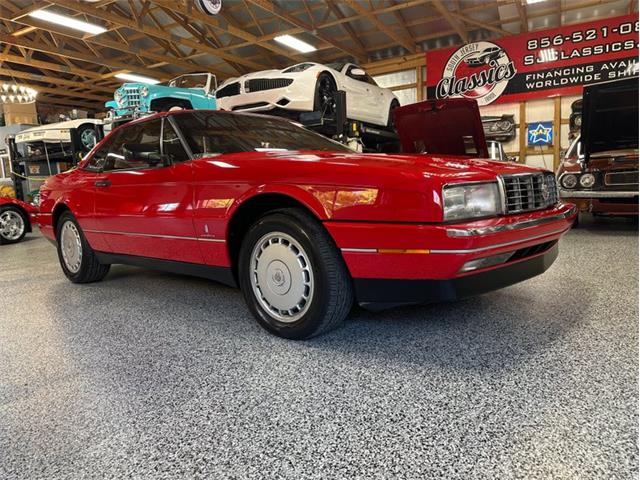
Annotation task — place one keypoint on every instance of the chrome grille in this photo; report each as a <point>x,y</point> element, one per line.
<point>131,97</point>
<point>627,177</point>
<point>258,84</point>
<point>529,192</point>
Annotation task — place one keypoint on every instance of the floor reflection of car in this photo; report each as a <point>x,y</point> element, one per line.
<point>599,173</point>
<point>484,57</point>
<point>304,225</point>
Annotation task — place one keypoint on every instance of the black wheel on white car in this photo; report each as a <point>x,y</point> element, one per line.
<point>292,275</point>
<point>324,98</point>
<point>13,224</point>
<point>77,259</point>
<point>88,136</point>
<point>394,104</point>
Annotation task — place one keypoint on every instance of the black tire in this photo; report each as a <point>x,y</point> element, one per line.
<point>25,224</point>
<point>90,269</point>
<point>84,133</point>
<point>166,104</point>
<point>394,104</point>
<point>332,293</point>
<point>324,95</point>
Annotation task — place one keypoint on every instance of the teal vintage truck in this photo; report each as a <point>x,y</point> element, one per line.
<point>190,91</point>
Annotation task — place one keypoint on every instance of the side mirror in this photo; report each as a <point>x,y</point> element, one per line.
<point>358,72</point>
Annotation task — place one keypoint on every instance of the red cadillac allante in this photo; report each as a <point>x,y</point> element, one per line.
<point>303,225</point>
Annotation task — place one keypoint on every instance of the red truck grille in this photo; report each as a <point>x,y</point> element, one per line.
<point>528,192</point>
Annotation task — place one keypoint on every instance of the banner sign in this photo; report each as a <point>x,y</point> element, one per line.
<point>540,133</point>
<point>538,64</point>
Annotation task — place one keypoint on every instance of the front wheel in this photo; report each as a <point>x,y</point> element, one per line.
<point>77,259</point>
<point>293,277</point>
<point>324,97</point>
<point>394,104</point>
<point>13,225</point>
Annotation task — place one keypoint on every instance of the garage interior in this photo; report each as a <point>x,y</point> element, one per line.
<point>159,375</point>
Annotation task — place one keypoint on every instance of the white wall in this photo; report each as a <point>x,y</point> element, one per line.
<point>536,111</point>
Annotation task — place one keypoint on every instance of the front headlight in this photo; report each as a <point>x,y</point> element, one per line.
<point>144,91</point>
<point>471,201</point>
<point>569,181</point>
<point>587,180</point>
<point>117,96</point>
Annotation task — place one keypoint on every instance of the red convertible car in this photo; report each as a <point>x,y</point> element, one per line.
<point>303,225</point>
<point>15,219</point>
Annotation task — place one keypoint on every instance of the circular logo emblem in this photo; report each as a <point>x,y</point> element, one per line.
<point>210,7</point>
<point>479,70</point>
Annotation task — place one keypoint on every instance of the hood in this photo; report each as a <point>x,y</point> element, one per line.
<point>610,117</point>
<point>442,127</point>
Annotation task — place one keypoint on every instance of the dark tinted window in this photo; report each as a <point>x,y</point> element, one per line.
<point>136,146</point>
<point>171,145</point>
<point>219,132</point>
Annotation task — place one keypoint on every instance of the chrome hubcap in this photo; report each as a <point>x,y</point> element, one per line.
<point>71,246</point>
<point>281,277</point>
<point>11,225</point>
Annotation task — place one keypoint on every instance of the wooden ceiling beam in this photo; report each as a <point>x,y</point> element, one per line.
<point>9,72</point>
<point>272,8</point>
<point>451,20</point>
<point>387,30</point>
<point>522,12</point>
<point>132,24</point>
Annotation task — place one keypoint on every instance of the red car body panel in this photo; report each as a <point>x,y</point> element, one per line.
<point>368,204</point>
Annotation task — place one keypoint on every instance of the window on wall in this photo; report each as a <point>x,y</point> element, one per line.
<point>403,84</point>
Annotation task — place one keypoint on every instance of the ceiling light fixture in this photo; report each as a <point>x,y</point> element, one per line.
<point>296,44</point>
<point>66,21</point>
<point>131,77</point>
<point>14,93</point>
<point>531,2</point>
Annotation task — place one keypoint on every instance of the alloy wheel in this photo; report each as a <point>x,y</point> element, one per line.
<point>11,225</point>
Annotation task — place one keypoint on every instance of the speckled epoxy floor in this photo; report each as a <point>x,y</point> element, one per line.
<point>148,375</point>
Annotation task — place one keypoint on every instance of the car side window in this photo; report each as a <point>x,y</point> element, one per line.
<point>171,144</point>
<point>136,147</point>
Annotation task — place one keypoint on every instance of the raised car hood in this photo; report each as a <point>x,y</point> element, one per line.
<point>442,127</point>
<point>610,118</point>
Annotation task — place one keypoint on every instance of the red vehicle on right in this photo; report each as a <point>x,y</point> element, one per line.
<point>599,173</point>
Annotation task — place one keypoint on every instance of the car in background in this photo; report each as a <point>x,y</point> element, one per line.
<point>16,218</point>
<point>55,135</point>
<point>301,223</point>
<point>310,87</point>
<point>501,128</point>
<point>189,91</point>
<point>599,172</point>
<point>575,119</point>
<point>484,57</point>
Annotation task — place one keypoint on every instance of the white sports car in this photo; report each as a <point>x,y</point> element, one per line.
<point>309,87</point>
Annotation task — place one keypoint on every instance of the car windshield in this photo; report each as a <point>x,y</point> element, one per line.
<point>210,133</point>
<point>190,81</point>
<point>336,66</point>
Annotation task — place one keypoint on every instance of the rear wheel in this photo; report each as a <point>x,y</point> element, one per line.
<point>13,225</point>
<point>296,287</point>
<point>77,259</point>
<point>88,137</point>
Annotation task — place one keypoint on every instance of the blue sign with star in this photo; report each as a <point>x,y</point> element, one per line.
<point>540,133</point>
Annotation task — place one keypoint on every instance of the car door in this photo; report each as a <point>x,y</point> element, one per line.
<point>144,196</point>
<point>359,103</point>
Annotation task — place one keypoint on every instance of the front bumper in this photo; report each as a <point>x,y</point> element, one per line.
<point>603,202</point>
<point>432,253</point>
<point>376,294</point>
